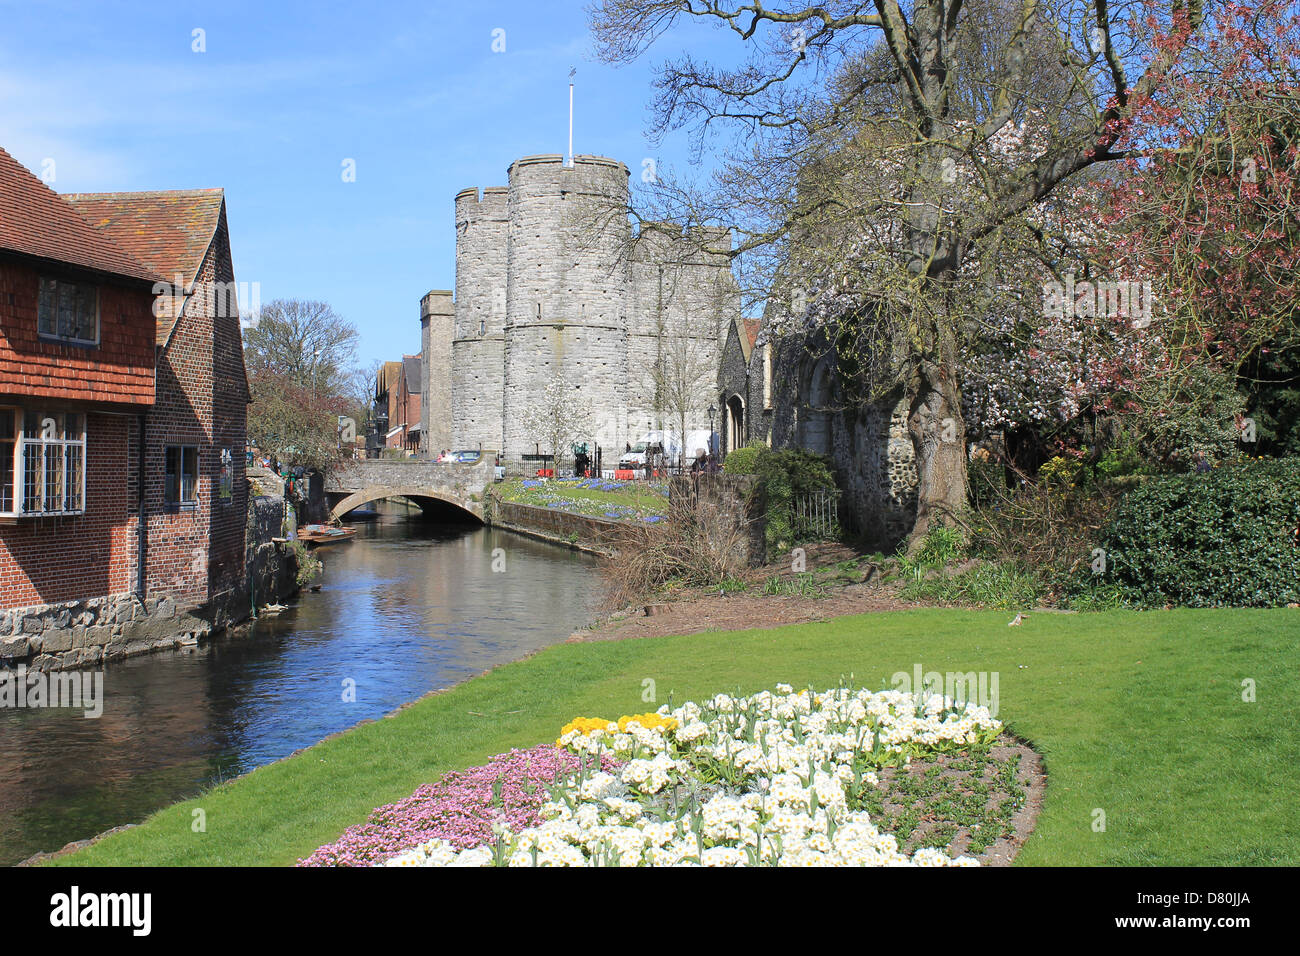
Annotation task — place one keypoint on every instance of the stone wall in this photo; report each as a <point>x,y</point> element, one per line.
<point>868,443</point>
<point>437,328</point>
<point>558,527</point>
<point>731,507</point>
<point>477,372</point>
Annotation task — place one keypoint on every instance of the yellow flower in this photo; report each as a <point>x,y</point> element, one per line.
<point>648,721</point>
<point>587,725</point>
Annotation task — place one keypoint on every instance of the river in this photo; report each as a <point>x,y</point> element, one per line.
<point>407,607</point>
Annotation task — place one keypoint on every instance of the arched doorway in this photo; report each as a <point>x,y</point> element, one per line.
<point>735,423</point>
<point>815,424</point>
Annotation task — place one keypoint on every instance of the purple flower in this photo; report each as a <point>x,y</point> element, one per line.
<point>460,808</point>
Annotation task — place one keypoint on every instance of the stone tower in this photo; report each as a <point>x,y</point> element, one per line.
<point>551,282</point>
<point>478,344</point>
<point>565,293</point>
<point>437,322</point>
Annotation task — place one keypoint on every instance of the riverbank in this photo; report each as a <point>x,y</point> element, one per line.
<point>408,606</point>
<point>1105,698</point>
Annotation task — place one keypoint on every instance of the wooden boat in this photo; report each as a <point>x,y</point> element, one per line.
<point>315,535</point>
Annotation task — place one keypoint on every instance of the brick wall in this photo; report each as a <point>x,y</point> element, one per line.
<point>47,560</point>
<point>50,560</point>
<point>196,554</point>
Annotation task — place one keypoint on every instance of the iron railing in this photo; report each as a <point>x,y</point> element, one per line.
<point>816,515</point>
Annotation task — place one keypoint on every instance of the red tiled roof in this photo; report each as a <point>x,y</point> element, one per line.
<point>36,221</point>
<point>170,231</point>
<point>751,332</point>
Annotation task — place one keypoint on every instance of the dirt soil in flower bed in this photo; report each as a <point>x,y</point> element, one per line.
<point>693,611</point>
<point>980,805</point>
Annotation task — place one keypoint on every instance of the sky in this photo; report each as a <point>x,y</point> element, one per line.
<point>270,99</point>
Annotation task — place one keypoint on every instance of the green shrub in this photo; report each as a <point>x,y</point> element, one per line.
<point>1225,538</point>
<point>939,547</point>
<point>743,461</point>
<point>308,565</point>
<point>783,477</point>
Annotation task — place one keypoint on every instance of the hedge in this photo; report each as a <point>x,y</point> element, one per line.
<point>1225,538</point>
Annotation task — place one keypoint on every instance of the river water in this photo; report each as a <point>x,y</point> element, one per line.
<point>407,607</point>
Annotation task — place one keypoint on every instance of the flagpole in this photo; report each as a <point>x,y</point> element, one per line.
<point>571,72</point>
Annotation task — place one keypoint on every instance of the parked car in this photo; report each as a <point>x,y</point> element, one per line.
<point>465,457</point>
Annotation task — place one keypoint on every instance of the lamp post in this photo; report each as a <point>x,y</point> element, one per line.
<point>713,411</point>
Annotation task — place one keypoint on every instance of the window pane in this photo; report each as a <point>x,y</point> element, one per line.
<point>190,478</point>
<point>7,466</point>
<point>32,472</point>
<point>75,479</point>
<point>171,491</point>
<point>54,477</point>
<point>85,312</point>
<point>46,310</point>
<point>67,309</point>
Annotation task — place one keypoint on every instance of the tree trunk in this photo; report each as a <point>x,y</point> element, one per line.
<point>939,441</point>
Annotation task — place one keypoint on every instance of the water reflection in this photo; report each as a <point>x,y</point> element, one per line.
<point>406,607</point>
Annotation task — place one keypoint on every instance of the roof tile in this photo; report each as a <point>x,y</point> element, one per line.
<point>168,230</point>
<point>36,221</point>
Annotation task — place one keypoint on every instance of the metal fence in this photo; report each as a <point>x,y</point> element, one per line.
<point>816,515</point>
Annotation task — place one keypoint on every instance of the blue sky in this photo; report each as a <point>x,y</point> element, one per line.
<point>114,93</point>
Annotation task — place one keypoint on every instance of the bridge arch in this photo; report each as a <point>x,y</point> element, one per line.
<point>374,493</point>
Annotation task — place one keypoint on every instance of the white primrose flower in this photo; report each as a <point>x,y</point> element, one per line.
<point>779,765</point>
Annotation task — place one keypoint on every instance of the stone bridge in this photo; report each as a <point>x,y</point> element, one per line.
<point>422,481</point>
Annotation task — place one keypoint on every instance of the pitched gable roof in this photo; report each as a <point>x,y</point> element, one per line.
<point>169,230</point>
<point>411,369</point>
<point>37,221</point>
<point>746,331</point>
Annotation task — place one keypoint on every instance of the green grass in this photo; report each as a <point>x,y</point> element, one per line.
<point>630,499</point>
<point>1137,714</point>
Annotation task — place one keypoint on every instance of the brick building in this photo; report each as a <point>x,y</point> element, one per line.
<point>76,380</point>
<point>123,401</point>
<point>196,497</point>
<point>398,396</point>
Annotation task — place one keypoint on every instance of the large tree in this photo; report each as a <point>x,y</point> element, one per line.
<point>301,360</point>
<point>900,149</point>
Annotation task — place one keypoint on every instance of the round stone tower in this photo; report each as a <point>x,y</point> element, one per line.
<point>566,293</point>
<point>478,337</point>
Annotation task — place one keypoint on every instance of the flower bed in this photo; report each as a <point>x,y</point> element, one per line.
<point>460,809</point>
<point>777,779</point>
<point>591,497</point>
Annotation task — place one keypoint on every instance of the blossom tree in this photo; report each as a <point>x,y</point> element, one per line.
<point>881,151</point>
<point>1213,206</point>
<point>559,418</point>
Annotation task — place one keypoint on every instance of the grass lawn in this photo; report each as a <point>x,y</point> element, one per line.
<point>616,500</point>
<point>1137,714</point>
